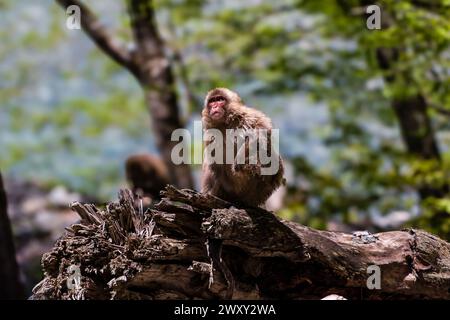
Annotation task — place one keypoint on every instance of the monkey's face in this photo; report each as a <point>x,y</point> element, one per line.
<point>216,105</point>
<point>219,103</point>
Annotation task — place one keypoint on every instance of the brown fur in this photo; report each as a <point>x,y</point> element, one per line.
<point>238,183</point>
<point>147,174</point>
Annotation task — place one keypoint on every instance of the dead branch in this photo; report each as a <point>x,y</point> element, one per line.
<point>193,245</point>
<point>102,38</point>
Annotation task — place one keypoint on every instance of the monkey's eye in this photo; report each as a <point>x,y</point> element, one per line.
<point>216,99</point>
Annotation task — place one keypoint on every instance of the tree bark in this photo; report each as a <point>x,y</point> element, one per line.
<point>411,112</point>
<point>415,124</point>
<point>151,67</point>
<point>197,246</point>
<point>157,80</point>
<point>10,285</point>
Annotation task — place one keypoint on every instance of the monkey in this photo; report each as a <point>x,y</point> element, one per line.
<point>236,182</point>
<point>147,175</point>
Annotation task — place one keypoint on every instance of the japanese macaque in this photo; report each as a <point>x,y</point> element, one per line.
<point>147,175</point>
<point>246,183</point>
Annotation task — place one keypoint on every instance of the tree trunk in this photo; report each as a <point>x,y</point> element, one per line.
<point>156,78</point>
<point>151,67</point>
<point>10,285</point>
<point>197,246</point>
<point>415,124</point>
<point>411,112</point>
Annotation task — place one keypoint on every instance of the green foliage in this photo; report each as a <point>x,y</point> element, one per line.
<point>69,115</point>
<point>270,50</point>
<point>324,49</point>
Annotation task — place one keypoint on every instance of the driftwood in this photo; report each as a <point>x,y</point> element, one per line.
<point>195,246</point>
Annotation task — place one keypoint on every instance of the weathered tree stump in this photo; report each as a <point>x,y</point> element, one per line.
<point>197,246</point>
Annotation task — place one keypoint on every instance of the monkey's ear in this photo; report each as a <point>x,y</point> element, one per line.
<point>235,97</point>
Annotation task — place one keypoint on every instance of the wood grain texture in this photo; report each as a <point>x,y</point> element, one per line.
<point>197,246</point>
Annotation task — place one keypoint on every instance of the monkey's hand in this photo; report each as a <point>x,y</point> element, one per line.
<point>245,163</point>
<point>249,169</point>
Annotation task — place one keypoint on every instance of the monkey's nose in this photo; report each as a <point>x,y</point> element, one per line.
<point>215,105</point>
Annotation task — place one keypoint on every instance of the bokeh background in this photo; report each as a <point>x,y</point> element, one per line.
<point>363,114</point>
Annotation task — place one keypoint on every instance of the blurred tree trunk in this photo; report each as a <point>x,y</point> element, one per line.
<point>157,80</point>
<point>415,124</point>
<point>10,285</point>
<point>150,65</point>
<point>411,109</point>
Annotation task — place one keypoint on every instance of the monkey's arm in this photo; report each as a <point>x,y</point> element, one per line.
<point>248,157</point>
<point>208,179</point>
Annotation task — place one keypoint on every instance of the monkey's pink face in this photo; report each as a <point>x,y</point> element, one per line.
<point>216,107</point>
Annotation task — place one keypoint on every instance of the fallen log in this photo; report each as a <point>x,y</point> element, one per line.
<point>197,246</point>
